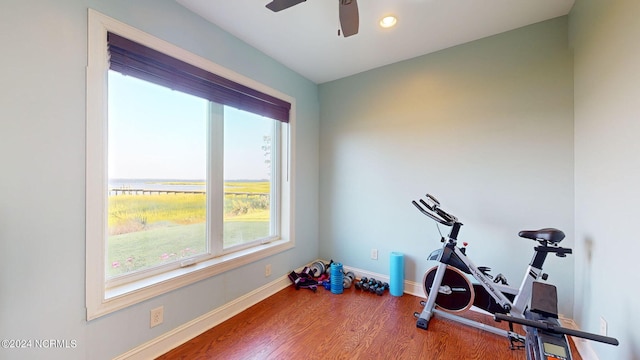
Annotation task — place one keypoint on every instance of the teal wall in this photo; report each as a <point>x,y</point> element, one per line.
<point>604,37</point>
<point>42,162</point>
<point>486,127</point>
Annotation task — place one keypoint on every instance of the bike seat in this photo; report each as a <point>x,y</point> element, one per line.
<point>548,234</point>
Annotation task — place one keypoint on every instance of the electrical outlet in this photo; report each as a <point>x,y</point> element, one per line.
<point>157,316</point>
<point>267,270</point>
<point>374,254</point>
<point>603,326</point>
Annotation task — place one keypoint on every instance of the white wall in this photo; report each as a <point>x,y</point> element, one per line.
<point>604,36</point>
<point>487,127</point>
<point>42,154</point>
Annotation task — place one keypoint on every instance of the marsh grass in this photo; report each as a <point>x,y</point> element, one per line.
<point>129,213</point>
<point>148,230</point>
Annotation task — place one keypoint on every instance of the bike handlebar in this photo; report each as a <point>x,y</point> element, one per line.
<point>434,212</point>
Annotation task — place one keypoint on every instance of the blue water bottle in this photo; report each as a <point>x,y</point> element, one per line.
<point>336,278</point>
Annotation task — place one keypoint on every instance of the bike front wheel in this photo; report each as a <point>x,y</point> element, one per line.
<point>455,293</point>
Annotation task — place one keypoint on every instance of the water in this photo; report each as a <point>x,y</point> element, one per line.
<point>158,184</point>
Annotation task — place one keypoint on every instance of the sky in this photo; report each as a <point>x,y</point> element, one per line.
<point>158,133</point>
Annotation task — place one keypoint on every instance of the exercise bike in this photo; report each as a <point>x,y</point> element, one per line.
<point>455,293</point>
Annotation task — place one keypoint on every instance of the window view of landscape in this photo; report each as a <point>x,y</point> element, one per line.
<point>157,166</point>
<point>247,176</point>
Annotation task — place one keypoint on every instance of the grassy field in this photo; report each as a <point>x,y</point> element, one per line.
<point>148,230</point>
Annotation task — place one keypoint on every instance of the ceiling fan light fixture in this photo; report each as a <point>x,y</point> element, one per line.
<point>388,21</point>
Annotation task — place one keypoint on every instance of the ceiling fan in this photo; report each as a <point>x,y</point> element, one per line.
<point>348,12</point>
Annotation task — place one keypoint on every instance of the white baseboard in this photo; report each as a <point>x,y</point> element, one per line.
<point>195,327</point>
<point>199,325</point>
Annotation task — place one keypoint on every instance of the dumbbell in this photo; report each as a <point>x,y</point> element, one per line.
<point>361,282</point>
<point>378,287</point>
<point>374,285</point>
<point>365,286</point>
<point>348,279</point>
<point>380,290</point>
<point>326,284</point>
<point>317,269</point>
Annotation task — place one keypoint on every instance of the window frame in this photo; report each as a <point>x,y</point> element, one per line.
<point>100,299</point>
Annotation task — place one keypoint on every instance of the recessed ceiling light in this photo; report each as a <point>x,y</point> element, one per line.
<point>388,21</point>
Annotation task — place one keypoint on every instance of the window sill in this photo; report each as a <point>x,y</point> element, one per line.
<point>122,296</point>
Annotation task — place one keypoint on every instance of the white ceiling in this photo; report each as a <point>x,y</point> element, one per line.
<point>305,36</point>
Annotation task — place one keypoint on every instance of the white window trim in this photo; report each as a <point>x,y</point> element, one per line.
<point>99,300</point>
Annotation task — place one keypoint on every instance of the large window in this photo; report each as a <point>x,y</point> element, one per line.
<point>187,168</point>
<point>157,176</point>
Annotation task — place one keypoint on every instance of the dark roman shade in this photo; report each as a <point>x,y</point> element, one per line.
<point>134,59</point>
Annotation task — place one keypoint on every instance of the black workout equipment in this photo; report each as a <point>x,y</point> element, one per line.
<point>545,338</point>
<point>372,285</point>
<point>303,280</point>
<point>454,290</point>
<point>361,282</point>
<point>381,289</point>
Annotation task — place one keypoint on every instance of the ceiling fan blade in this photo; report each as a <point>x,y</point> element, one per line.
<point>277,5</point>
<point>349,17</point>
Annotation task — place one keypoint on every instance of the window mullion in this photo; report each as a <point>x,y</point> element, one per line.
<point>215,183</point>
<point>276,165</point>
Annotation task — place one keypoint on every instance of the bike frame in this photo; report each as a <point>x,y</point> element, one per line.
<point>522,294</point>
<point>515,308</point>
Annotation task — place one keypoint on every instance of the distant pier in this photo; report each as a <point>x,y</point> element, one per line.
<point>128,191</point>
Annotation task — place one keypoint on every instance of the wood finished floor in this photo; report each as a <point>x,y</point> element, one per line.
<point>301,324</point>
